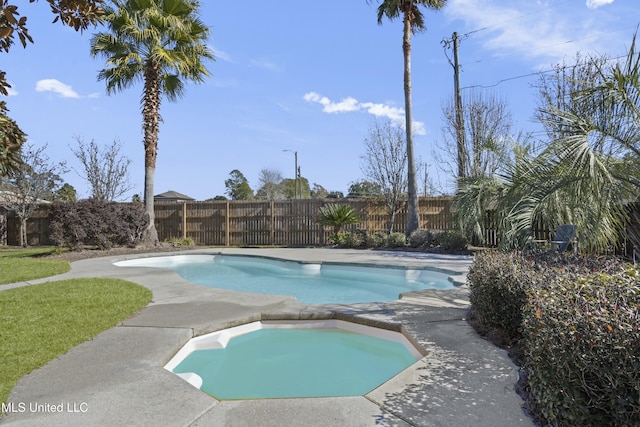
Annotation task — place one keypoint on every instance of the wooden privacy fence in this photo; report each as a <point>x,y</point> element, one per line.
<point>257,223</point>
<point>283,222</point>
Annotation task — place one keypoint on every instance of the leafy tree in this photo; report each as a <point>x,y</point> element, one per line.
<point>385,163</point>
<point>105,169</point>
<point>34,182</point>
<point>78,14</point>
<point>413,21</point>
<point>318,191</point>
<point>238,187</point>
<point>11,141</point>
<point>364,189</point>
<point>288,186</point>
<point>162,43</point>
<point>66,193</point>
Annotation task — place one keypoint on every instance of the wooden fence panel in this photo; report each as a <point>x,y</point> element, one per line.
<point>257,223</point>
<point>249,223</point>
<point>168,220</point>
<point>207,222</point>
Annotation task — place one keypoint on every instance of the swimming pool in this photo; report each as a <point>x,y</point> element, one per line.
<point>310,283</point>
<point>280,359</point>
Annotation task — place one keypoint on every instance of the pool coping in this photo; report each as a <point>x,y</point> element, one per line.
<point>118,376</point>
<point>220,340</point>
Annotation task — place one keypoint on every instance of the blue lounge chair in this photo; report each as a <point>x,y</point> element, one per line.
<point>565,235</point>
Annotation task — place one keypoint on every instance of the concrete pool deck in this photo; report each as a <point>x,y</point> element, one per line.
<point>118,377</point>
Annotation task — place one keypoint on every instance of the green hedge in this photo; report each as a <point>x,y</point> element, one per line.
<point>582,351</point>
<point>499,283</point>
<point>575,320</point>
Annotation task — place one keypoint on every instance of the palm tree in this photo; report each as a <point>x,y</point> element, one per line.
<point>413,20</point>
<point>587,176</point>
<point>161,43</point>
<point>337,216</point>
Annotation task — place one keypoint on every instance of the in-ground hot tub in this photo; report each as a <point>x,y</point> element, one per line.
<point>283,359</point>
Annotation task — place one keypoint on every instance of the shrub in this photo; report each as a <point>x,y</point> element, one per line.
<point>376,240</point>
<point>97,223</point>
<point>500,281</point>
<point>396,240</point>
<point>180,241</point>
<point>337,238</point>
<point>452,241</point>
<point>498,284</point>
<point>421,239</point>
<point>355,239</point>
<point>582,351</point>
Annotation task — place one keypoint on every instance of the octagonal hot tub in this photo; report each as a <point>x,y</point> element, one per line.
<point>279,359</point>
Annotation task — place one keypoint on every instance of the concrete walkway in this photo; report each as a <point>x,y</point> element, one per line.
<point>117,379</point>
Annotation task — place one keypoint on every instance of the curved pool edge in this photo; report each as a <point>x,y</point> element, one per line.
<point>393,332</point>
<point>455,276</point>
<point>173,260</point>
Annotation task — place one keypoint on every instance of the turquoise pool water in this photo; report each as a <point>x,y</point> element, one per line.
<point>286,363</point>
<point>308,283</point>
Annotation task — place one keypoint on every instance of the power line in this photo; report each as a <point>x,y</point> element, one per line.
<point>522,76</point>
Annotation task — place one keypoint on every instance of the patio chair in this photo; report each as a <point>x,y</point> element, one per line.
<point>565,235</point>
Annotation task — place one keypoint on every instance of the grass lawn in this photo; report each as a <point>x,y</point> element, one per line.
<point>41,322</point>
<point>18,265</point>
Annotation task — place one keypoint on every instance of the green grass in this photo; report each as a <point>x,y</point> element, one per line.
<point>41,322</point>
<point>18,265</point>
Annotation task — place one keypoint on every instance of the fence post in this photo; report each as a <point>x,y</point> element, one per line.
<point>226,226</point>
<point>272,238</point>
<point>184,220</point>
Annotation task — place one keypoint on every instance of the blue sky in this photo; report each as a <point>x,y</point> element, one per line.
<point>303,76</point>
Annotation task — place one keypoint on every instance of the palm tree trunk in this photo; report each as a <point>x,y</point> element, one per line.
<point>413,218</point>
<point>150,234</point>
<point>151,126</point>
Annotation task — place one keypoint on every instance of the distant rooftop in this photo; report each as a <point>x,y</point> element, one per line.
<point>172,196</point>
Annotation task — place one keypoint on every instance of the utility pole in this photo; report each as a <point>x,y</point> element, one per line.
<point>460,133</point>
<point>296,174</point>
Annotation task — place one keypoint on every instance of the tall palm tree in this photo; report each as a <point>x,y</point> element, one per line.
<point>161,43</point>
<point>413,21</point>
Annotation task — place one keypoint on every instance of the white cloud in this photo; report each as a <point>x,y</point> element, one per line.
<point>349,104</point>
<point>594,4</point>
<point>11,91</point>
<point>55,86</point>
<point>221,54</point>
<point>266,64</point>
<point>547,31</point>
<point>346,105</point>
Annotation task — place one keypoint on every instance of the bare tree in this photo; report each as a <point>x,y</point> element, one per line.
<point>487,131</point>
<point>385,164</point>
<point>563,90</point>
<point>270,188</point>
<point>104,169</point>
<point>30,185</point>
